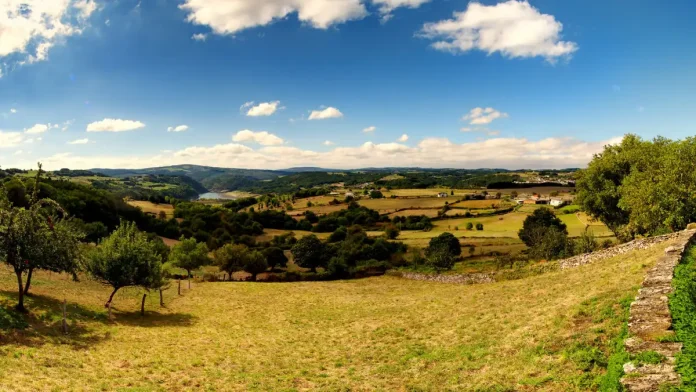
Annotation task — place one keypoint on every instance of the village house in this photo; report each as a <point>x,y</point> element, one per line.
<point>557,202</point>
<point>442,194</point>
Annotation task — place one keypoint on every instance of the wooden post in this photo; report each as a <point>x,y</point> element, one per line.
<point>142,306</point>
<point>161,299</point>
<point>65,321</point>
<point>179,286</point>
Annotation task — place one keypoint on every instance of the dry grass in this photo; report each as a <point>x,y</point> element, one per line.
<point>152,208</point>
<point>473,204</point>
<point>374,334</point>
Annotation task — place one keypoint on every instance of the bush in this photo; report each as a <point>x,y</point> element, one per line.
<point>440,259</point>
<point>586,243</point>
<point>469,226</point>
<point>391,232</point>
<point>446,240</point>
<point>479,226</point>
<point>376,195</point>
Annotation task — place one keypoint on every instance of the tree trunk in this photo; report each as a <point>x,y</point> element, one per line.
<point>111,297</point>
<point>253,277</point>
<point>179,289</point>
<point>142,306</point>
<point>65,320</point>
<point>161,299</point>
<point>20,301</point>
<point>26,285</point>
<point>189,282</point>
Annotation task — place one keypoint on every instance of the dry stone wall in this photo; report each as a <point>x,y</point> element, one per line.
<point>650,323</point>
<point>457,279</point>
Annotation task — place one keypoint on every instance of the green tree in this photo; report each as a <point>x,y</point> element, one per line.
<point>536,224</point>
<point>479,226</point>
<point>231,258</point>
<point>440,259</point>
<point>189,255</point>
<point>275,257</point>
<point>255,264</point>
<point>376,195</point>
<point>126,258</point>
<point>339,235</point>
<point>446,241</point>
<point>310,252</point>
<point>391,231</point>
<point>552,243</point>
<point>469,226</point>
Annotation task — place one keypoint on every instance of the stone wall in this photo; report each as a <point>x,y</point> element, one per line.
<point>588,258</point>
<point>650,323</point>
<point>459,279</point>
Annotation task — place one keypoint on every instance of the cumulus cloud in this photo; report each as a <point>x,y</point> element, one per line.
<point>178,128</point>
<point>324,114</point>
<point>387,6</point>
<point>512,153</point>
<point>30,28</point>
<point>10,139</point>
<point>199,37</point>
<point>37,129</point>
<point>79,141</point>
<point>263,138</point>
<point>481,116</point>
<point>262,109</point>
<point>514,28</point>
<point>369,129</point>
<point>403,138</point>
<point>114,125</point>
<point>226,17</point>
<point>328,143</point>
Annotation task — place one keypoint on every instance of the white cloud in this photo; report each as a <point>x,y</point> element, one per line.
<point>178,128</point>
<point>262,109</point>
<point>387,6</point>
<point>328,143</point>
<point>467,129</point>
<point>229,17</point>
<point>79,141</point>
<point>263,138</point>
<point>37,129</point>
<point>493,133</point>
<point>512,153</point>
<point>369,129</point>
<point>323,114</point>
<point>13,110</point>
<point>19,152</point>
<point>114,125</point>
<point>403,138</point>
<point>514,28</point>
<point>10,139</point>
<point>199,37</point>
<point>66,125</point>
<point>30,28</point>
<point>481,116</point>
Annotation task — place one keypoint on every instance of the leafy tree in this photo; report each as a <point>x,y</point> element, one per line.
<point>189,255</point>
<point>275,257</point>
<point>469,226</point>
<point>310,252</point>
<point>440,259</point>
<point>376,195</point>
<point>479,226</point>
<point>255,264</point>
<point>391,232</point>
<point>552,243</point>
<point>34,237</point>
<point>339,235</point>
<point>230,258</point>
<point>447,241</point>
<point>126,258</point>
<point>586,243</point>
<point>535,225</point>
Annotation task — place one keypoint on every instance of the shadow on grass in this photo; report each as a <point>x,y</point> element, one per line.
<point>43,322</point>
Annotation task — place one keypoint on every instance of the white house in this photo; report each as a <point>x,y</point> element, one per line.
<point>349,194</point>
<point>557,202</point>
<point>442,194</point>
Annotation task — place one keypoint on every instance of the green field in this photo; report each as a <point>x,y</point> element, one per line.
<point>381,333</point>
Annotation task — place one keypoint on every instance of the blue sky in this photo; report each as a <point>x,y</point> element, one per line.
<point>96,83</point>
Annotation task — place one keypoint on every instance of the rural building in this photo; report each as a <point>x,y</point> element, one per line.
<point>519,201</point>
<point>349,194</point>
<point>557,202</point>
<point>442,194</point>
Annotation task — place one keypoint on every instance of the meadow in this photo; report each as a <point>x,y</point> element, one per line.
<point>152,208</point>
<point>550,332</point>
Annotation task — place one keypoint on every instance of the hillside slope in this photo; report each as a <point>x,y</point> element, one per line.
<point>550,332</point>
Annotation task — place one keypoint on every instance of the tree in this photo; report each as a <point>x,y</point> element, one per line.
<point>447,241</point>
<point>162,215</point>
<point>310,252</point>
<point>126,258</point>
<point>391,231</point>
<point>338,235</point>
<point>189,255</point>
<point>255,264</point>
<point>535,225</point>
<point>275,257</point>
<point>552,243</point>
<point>376,194</point>
<point>479,226</point>
<point>469,226</point>
<point>34,237</point>
<point>440,259</point>
<point>231,258</point>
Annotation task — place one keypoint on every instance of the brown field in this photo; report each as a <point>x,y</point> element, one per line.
<point>473,204</point>
<point>152,208</point>
<point>428,213</point>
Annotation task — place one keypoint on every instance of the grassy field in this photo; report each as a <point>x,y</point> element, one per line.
<point>152,208</point>
<point>550,332</point>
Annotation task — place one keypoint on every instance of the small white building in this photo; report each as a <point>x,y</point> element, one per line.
<point>442,194</point>
<point>349,194</point>
<point>557,202</point>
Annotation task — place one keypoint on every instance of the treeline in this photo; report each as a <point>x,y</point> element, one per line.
<point>641,187</point>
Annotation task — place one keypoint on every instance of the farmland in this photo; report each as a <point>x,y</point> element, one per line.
<point>380,333</point>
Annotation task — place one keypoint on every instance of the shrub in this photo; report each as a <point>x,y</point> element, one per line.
<point>469,226</point>
<point>391,232</point>
<point>479,226</point>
